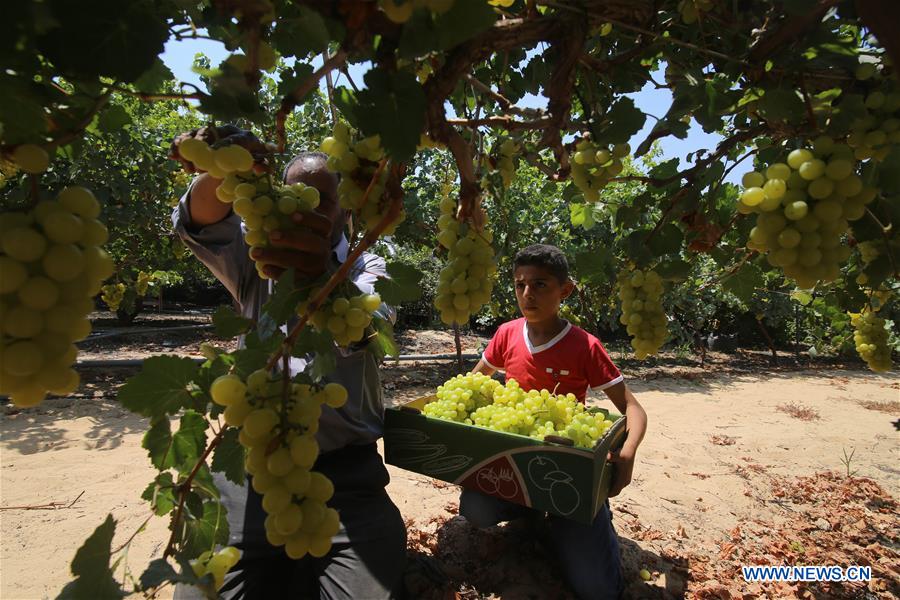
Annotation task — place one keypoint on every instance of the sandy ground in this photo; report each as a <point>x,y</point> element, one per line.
<point>714,447</point>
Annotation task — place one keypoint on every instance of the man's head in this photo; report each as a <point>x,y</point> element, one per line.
<point>541,279</point>
<point>310,168</point>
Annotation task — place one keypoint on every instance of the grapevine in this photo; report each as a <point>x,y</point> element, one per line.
<point>871,338</point>
<point>345,318</point>
<point>593,166</point>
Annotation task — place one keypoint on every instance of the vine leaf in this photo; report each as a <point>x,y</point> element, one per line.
<point>401,284</point>
<point>383,344</point>
<point>158,443</point>
<point>300,31</point>
<point>93,576</point>
<point>465,19</point>
<point>229,324</point>
<point>204,530</point>
<point>745,282</point>
<point>159,571</point>
<point>160,493</point>
<point>161,388</point>
<point>317,347</point>
<point>228,457</point>
<point>189,441</point>
<point>594,266</point>
<point>392,106</point>
<point>113,118</point>
<point>624,119</point>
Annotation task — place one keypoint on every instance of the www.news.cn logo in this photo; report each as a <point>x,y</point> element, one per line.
<point>807,573</point>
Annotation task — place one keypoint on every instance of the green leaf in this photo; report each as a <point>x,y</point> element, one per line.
<point>346,101</point>
<point>425,32</point>
<point>113,118</point>
<point>158,443</point>
<point>189,441</point>
<point>154,78</point>
<point>228,457</point>
<point>745,282</point>
<point>248,360</point>
<point>622,121</point>
<point>401,284</point>
<point>782,104</point>
<point>161,387</point>
<point>159,571</point>
<point>289,79</point>
<point>229,324</point>
<point>160,493</point>
<point>889,172</point>
<point>115,38</point>
<point>383,343</point>
<point>393,106</point>
<point>594,266</point>
<point>93,578</point>
<point>282,304</point>
<point>667,240</point>
<point>202,532</point>
<point>300,31</point>
<point>316,347</point>
<point>802,297</point>
<point>674,270</point>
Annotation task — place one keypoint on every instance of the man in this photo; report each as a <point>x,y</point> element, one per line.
<point>368,555</point>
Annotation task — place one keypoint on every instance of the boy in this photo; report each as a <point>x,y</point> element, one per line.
<point>542,351</point>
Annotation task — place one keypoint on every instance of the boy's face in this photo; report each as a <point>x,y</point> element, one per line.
<point>539,293</point>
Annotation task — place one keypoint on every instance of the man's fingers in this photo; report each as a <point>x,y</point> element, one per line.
<point>315,221</point>
<point>304,263</point>
<point>302,240</point>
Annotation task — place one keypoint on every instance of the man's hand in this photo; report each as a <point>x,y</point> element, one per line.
<point>306,248</point>
<point>218,137</point>
<point>623,463</point>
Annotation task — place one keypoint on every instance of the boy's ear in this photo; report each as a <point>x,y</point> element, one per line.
<point>567,288</point>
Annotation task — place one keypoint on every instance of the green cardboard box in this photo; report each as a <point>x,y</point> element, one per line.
<point>554,477</point>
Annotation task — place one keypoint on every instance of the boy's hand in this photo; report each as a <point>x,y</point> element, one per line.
<point>218,137</point>
<point>306,248</point>
<point>623,461</point>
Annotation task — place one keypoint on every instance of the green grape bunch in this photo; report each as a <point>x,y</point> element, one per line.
<point>505,163</point>
<point>51,266</point>
<point>357,161</point>
<point>278,434</point>
<point>593,166</point>
<point>262,205</point>
<point>640,293</point>
<point>142,283</point>
<point>476,399</point>
<point>871,339</point>
<point>876,131</point>
<point>216,564</point>
<point>804,207</point>
<point>112,294</point>
<point>466,282</point>
<point>345,318</point>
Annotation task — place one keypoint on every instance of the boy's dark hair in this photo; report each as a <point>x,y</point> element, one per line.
<point>305,155</point>
<point>546,256</point>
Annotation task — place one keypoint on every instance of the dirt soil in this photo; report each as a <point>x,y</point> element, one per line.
<point>743,463</point>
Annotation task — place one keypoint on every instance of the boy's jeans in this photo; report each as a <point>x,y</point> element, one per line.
<point>588,554</point>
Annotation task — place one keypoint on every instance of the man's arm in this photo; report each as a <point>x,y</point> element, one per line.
<point>628,405</point>
<point>205,208</point>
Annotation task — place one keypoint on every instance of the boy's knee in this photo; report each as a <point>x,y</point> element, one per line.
<point>481,510</point>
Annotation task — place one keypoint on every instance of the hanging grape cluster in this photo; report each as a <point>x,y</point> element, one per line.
<point>345,318</point>
<point>465,283</point>
<point>505,161</point>
<point>263,205</point>
<point>593,166</point>
<point>692,9</point>
<point>279,435</point>
<point>143,282</point>
<point>400,11</point>
<point>216,564</point>
<point>51,265</point>
<point>874,134</point>
<point>112,294</point>
<point>642,312</point>
<point>871,338</point>
<point>476,399</point>
<point>357,161</point>
<point>804,208</point>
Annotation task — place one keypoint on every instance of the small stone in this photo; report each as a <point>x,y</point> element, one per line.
<point>823,524</point>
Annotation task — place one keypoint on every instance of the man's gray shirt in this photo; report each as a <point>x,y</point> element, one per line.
<point>222,249</point>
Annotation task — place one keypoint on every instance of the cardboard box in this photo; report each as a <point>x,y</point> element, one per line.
<point>554,477</point>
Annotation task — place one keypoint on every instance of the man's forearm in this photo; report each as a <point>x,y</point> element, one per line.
<point>205,207</point>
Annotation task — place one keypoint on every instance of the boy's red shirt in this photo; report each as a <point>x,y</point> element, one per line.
<point>572,362</point>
